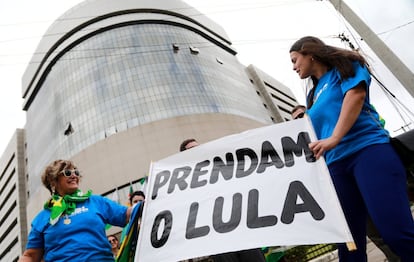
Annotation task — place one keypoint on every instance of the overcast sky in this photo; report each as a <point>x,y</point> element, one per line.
<point>262,32</point>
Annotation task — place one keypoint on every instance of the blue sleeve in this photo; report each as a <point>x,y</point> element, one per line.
<point>114,213</point>
<point>36,237</point>
<point>361,75</point>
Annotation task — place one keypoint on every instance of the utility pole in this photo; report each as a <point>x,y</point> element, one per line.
<point>387,56</point>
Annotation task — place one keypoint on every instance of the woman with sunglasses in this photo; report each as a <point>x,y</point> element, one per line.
<point>113,241</point>
<point>367,173</point>
<point>71,227</point>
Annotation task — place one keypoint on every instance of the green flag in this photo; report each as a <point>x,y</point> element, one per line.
<point>129,242</point>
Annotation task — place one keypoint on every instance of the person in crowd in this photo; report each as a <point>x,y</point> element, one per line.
<point>71,226</point>
<point>372,232</point>
<point>136,197</point>
<point>113,241</point>
<point>366,171</point>
<point>188,143</point>
<point>250,255</point>
<point>130,233</point>
<point>298,111</point>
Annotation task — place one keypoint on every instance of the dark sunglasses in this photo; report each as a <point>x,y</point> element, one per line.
<point>300,115</point>
<point>112,240</point>
<point>68,173</point>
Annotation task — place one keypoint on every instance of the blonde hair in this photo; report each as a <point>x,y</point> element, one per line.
<point>51,173</point>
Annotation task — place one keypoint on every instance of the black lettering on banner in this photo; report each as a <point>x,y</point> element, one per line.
<point>160,180</point>
<point>219,225</point>
<point>247,162</point>
<point>177,180</point>
<point>309,204</point>
<point>167,217</point>
<point>220,167</point>
<point>269,151</point>
<point>241,155</point>
<point>290,147</point>
<point>195,182</point>
<point>253,219</point>
<point>191,230</point>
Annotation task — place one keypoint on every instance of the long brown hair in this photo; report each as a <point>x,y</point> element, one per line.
<point>332,57</point>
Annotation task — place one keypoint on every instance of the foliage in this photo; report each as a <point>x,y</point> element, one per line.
<point>308,252</point>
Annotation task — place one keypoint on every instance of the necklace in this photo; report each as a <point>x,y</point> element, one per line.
<point>67,220</point>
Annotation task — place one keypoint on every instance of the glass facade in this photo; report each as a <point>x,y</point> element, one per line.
<point>128,76</point>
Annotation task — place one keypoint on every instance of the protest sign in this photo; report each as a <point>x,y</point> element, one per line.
<point>258,188</point>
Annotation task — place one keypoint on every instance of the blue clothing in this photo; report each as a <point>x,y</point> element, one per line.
<point>373,180</point>
<point>324,113</point>
<point>367,173</point>
<point>82,237</point>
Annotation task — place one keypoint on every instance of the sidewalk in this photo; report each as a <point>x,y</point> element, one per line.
<point>374,255</point>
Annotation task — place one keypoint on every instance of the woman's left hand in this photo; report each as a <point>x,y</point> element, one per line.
<point>321,146</point>
<point>350,110</point>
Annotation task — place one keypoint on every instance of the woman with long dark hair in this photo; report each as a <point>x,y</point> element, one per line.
<point>367,173</point>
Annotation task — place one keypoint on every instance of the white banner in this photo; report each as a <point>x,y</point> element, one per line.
<point>258,188</point>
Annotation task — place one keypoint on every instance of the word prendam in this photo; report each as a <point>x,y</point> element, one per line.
<point>245,162</point>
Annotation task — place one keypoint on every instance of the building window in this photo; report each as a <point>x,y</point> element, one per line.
<point>175,48</point>
<point>68,130</point>
<point>194,50</point>
<point>110,131</point>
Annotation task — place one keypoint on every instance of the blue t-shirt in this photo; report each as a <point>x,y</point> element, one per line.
<point>324,114</point>
<point>84,238</point>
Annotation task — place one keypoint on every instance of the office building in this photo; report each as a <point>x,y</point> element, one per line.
<point>114,85</point>
<point>276,97</point>
<point>13,225</point>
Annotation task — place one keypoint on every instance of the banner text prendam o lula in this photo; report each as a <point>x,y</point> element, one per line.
<point>187,177</point>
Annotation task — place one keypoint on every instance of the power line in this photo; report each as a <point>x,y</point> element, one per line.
<point>395,28</point>
<point>402,110</point>
<point>232,10</point>
<point>153,48</point>
<point>248,7</point>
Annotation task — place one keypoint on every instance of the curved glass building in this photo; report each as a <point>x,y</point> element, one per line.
<point>114,85</point>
